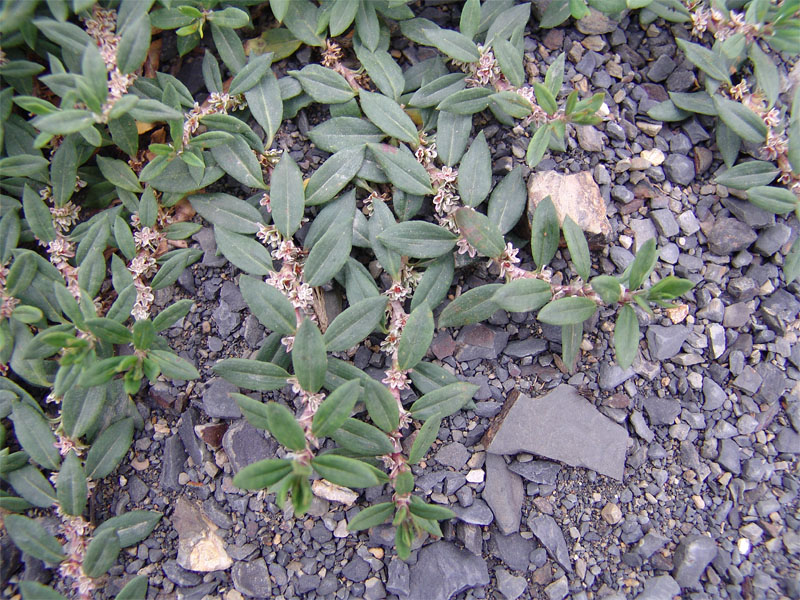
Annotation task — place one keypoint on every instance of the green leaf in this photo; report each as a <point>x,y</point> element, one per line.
<point>454,44</point>
<point>308,357</point>
<point>749,174</point>
<point>109,448</point>
<point>81,408</point>
<point>545,98</point>
<point>387,115</point>
<point>227,211</point>
<point>470,307</point>
<point>467,102</point>
<point>402,168</point>
<point>668,288</point>
<point>362,439</point>
<point>144,334</point>
<point>324,85</point>
<point>507,202</point>
<point>238,161</point>
<point>109,330</point>
<point>766,73</point>
<point>434,92</point>
<point>626,336</point>
<point>172,313</point>
<point>342,16</point>
<point>555,14</point>
<point>71,486</point>
<point>344,471</point>
<point>149,110</point>
<point>452,133</point>
<point>523,295</point>
<point>131,527</point>
<point>566,311</point>
<point>416,337</point>
<point>37,216</point>
<point>343,132</point>
<point>510,59</point>
<point>20,276</point>
<point>135,589</point>
<point>643,264</point>
<point>475,172</point>
<point>262,474</point>
<point>101,554</point>
<point>538,145</point>
<point>697,102</point>
<point>32,590</point>
<point>381,405</point>
<point>418,239</point>
<point>30,537</point>
<point>480,231</point>
<point>773,199</point>
<point>173,366</point>
<point>29,483</point>
<point>511,104</point>
<point>367,25</point>
<point>742,121</point>
<point>63,171</point>
<point>791,264</point>
<point>134,43</point>
<point>380,220</point>
<point>251,374</point>
<point>372,516</point>
<point>578,248</point>
<point>554,77</point>
<point>335,173</point>
<point>330,252</point>
<point>251,74</point>
<point>253,410</point>
<point>354,324</point>
<point>728,143</point>
<point>336,409</point>
<point>65,122</point>
<point>35,436</point>
<point>9,234</point>
<point>429,511</point>
<point>243,252</point>
<point>266,106</point>
<point>706,60</point>
<point>426,435</point>
<point>443,402</point>
<point>284,427</point>
<point>229,47</point>
<point>385,73</point>
<point>571,337</point>
<point>271,308</point>
<point>172,268</point>
<point>544,232</point>
<point>435,282</point>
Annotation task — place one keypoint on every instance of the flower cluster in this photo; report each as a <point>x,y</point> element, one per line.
<point>76,530</point>
<point>148,242</point>
<point>215,104</point>
<point>368,206</point>
<point>64,217</point>
<point>721,25</point>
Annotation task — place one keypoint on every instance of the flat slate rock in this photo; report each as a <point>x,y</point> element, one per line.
<point>443,570</point>
<point>547,531</point>
<point>503,493</point>
<point>561,426</point>
<point>537,471</point>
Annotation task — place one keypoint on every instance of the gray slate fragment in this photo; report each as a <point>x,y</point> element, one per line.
<point>788,441</point>
<point>244,445</point>
<point>528,347</point>
<point>511,586</point>
<point>612,375</point>
<point>398,581</point>
<point>357,570</point>
<point>547,531</point>
<point>730,235</point>
<point>190,440</point>
<point>443,570</point>
<point>172,463</point>
<point>477,513</point>
<point>537,471</point>
<point>748,213</point>
<point>650,543</point>
<point>566,427</point>
<point>503,493</point>
<point>660,588</point>
<point>558,589</point>
<point>679,169</point>
<point>661,411</point>
<point>640,427</point>
<point>252,578</point>
<point>453,455</point>
<point>217,402</point>
<point>480,341</point>
<point>665,342</point>
<point>691,558</point>
<point>513,550</point>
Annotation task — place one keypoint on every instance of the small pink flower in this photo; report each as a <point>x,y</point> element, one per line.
<point>396,379</point>
<point>464,247</point>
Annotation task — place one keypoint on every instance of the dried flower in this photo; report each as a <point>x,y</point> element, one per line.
<point>464,247</point>
<point>147,238</point>
<point>396,379</point>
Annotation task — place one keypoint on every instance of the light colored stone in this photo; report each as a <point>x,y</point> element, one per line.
<point>575,195</point>
<point>476,476</point>
<point>611,513</point>
<point>333,493</point>
<point>655,156</point>
<point>199,547</point>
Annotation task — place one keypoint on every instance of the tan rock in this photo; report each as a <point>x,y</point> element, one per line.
<point>199,547</point>
<point>332,492</point>
<point>655,156</point>
<point>575,195</point>
<point>611,513</point>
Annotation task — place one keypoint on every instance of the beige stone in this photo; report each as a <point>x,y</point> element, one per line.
<point>611,513</point>
<point>575,195</point>
<point>333,493</point>
<point>199,547</point>
<point>655,156</point>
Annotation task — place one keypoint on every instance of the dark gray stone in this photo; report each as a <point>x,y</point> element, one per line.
<point>730,235</point>
<point>478,513</point>
<point>612,375</point>
<point>547,531</point>
<point>172,462</point>
<point>661,411</point>
<point>232,296</point>
<point>503,493</point>
<point>749,213</point>
<point>692,556</point>
<point>180,576</point>
<point>226,319</point>
<point>665,342</point>
<point>480,341</point>
<point>217,402</point>
<point>357,570</point>
<point>137,489</point>
<point>729,456</point>
<point>528,347</point>
<point>511,586</point>
<point>244,445</point>
<point>640,427</point>
<point>679,169</point>
<point>563,426</point>
<point>513,550</point>
<point>398,578</point>
<point>252,578</point>
<point>443,570</point>
<point>665,222</point>
<point>193,447</point>
<point>651,543</point>
<point>661,68</point>
<point>788,441</point>
<point>453,455</point>
<point>537,471</point>
<point>748,380</point>
<point>663,587</point>
<point>306,583</point>
<point>772,238</point>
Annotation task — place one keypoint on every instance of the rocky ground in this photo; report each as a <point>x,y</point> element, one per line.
<point>677,476</point>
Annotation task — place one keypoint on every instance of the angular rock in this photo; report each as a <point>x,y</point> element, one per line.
<point>728,456</point>
<point>199,547</point>
<point>252,578</point>
<point>477,513</point>
<point>537,471</point>
<point>528,347</point>
<point>679,169</point>
<point>453,455</point>
<point>190,441</point>
<point>357,570</point>
<point>557,590</point>
<point>547,531</point>
<point>665,342</point>
<point>172,463</point>
<point>511,586</point>
<point>589,138</point>
<point>443,570</point>
<point>575,195</point>
<point>480,341</point>
<point>661,411</point>
<point>612,375</point>
<point>730,235</point>
<point>562,426</point>
<point>663,587</point>
<point>693,555</point>
<point>595,23</point>
<point>748,213</point>
<point>398,579</point>
<point>503,493</point>
<point>217,402</point>
<point>244,445</point>
<point>513,550</point>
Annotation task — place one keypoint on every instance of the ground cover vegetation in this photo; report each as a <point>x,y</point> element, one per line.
<point>106,160</point>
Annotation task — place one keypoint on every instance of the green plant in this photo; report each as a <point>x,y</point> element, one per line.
<point>72,145</point>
